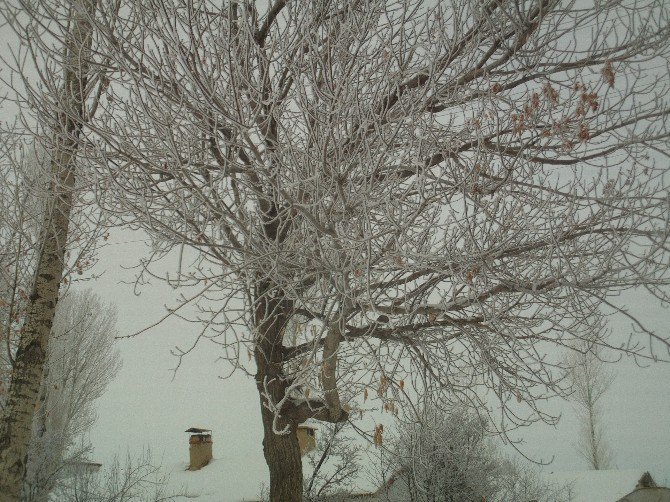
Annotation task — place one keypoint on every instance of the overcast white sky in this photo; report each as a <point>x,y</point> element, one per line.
<point>145,407</point>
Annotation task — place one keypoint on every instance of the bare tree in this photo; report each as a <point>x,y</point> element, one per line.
<point>436,193</point>
<point>61,113</point>
<point>137,479</point>
<point>591,380</point>
<point>81,362</point>
<point>63,413</point>
<point>333,465</point>
<point>520,482</point>
<point>447,456</point>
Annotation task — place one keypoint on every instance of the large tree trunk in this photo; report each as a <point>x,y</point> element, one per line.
<point>281,451</point>
<point>22,401</point>
<point>282,454</point>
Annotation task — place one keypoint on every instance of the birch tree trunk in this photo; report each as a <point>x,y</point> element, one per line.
<point>16,424</point>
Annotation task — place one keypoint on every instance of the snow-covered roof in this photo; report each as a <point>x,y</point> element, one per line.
<point>655,494</point>
<point>598,486</point>
<point>198,430</point>
<point>218,481</point>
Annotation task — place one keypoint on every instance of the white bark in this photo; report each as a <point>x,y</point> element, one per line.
<point>22,400</point>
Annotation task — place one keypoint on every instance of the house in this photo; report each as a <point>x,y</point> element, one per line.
<point>612,485</point>
<point>646,490</point>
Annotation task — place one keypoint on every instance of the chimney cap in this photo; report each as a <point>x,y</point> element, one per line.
<point>197,430</point>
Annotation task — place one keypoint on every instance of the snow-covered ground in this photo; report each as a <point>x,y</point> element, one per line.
<point>220,482</point>
<point>597,486</point>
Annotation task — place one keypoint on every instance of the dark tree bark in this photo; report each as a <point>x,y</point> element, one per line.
<point>282,455</point>
<point>281,451</point>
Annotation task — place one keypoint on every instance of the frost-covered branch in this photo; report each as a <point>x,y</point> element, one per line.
<point>434,194</point>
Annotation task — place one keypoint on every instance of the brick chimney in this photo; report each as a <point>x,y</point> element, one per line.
<point>200,448</point>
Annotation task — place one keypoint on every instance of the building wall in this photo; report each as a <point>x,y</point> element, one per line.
<point>306,439</point>
<point>200,450</point>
